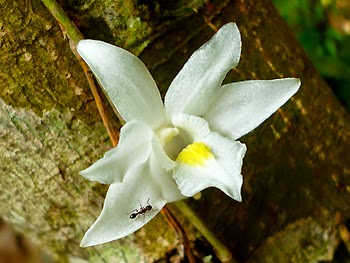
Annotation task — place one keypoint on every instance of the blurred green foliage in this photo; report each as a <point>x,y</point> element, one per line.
<point>322,27</point>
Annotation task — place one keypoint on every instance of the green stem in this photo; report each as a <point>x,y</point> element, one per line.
<point>222,252</point>
<point>68,26</point>
<point>74,37</point>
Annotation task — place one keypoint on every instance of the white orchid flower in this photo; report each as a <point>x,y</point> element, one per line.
<point>174,150</point>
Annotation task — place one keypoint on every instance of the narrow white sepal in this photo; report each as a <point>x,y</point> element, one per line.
<point>241,106</point>
<point>126,80</point>
<point>193,89</point>
<point>121,200</point>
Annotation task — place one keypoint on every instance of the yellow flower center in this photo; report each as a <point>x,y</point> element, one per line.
<point>195,154</point>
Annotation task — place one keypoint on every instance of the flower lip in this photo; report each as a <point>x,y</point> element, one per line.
<point>175,140</point>
<point>195,154</point>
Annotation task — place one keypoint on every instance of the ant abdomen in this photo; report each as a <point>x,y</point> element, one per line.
<point>133,215</point>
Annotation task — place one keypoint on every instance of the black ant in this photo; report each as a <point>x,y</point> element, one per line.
<point>142,211</point>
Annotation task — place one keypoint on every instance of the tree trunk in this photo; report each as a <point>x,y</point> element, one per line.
<point>296,171</point>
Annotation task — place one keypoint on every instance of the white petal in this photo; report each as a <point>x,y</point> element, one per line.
<point>125,79</point>
<point>163,178</point>
<point>121,200</point>
<point>223,171</point>
<point>163,159</point>
<point>133,149</point>
<point>194,87</point>
<point>240,107</point>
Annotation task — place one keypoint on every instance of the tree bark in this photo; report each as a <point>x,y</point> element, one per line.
<point>296,171</point>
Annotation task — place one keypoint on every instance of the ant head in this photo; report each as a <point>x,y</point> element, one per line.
<point>148,207</point>
<point>133,215</point>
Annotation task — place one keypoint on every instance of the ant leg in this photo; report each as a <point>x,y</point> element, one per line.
<point>140,205</point>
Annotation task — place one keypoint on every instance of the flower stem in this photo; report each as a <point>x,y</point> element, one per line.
<point>222,252</point>
<point>66,24</point>
<point>180,232</point>
<point>74,36</point>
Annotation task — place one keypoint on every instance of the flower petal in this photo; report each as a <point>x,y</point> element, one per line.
<point>126,80</point>
<point>163,159</point>
<point>121,200</point>
<point>221,168</point>
<point>163,178</point>
<point>194,87</point>
<point>133,149</point>
<point>240,107</point>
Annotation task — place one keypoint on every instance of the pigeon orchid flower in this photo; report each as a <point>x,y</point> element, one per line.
<point>174,150</point>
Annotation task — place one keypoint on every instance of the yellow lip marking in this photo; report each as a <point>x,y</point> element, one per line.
<point>195,154</point>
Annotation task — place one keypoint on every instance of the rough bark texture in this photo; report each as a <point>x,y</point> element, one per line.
<point>296,172</point>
